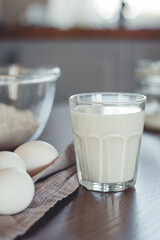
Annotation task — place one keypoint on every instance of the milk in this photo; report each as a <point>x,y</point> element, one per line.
<point>107,141</point>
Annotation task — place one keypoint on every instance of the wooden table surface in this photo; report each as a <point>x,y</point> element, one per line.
<point>130,215</point>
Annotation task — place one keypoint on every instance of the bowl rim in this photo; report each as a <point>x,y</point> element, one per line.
<point>19,74</point>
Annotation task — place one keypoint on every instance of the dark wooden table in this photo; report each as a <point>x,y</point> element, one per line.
<point>130,215</point>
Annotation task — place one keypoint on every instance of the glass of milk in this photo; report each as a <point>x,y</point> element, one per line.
<point>107,129</point>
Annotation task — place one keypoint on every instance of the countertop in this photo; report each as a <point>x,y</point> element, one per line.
<point>130,215</point>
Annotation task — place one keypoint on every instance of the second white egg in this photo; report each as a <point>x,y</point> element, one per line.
<point>37,155</point>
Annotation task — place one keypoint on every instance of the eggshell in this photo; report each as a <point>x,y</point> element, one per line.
<point>16,190</point>
<point>10,159</point>
<point>37,155</point>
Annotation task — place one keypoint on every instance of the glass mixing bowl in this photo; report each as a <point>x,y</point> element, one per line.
<point>26,99</point>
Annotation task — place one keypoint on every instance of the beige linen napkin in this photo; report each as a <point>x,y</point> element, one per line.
<point>51,185</point>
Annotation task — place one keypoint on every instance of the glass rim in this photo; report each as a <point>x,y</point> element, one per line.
<point>141,98</point>
<point>28,75</point>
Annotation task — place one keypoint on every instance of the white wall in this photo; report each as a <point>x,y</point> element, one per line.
<point>86,65</point>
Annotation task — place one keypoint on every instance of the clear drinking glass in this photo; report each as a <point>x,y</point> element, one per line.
<point>107,129</point>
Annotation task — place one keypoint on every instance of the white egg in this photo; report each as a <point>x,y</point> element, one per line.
<point>16,190</point>
<point>37,155</point>
<point>10,159</point>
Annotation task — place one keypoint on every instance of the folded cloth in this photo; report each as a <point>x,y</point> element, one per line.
<point>51,185</point>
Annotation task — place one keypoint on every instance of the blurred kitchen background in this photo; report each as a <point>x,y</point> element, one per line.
<point>96,43</point>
